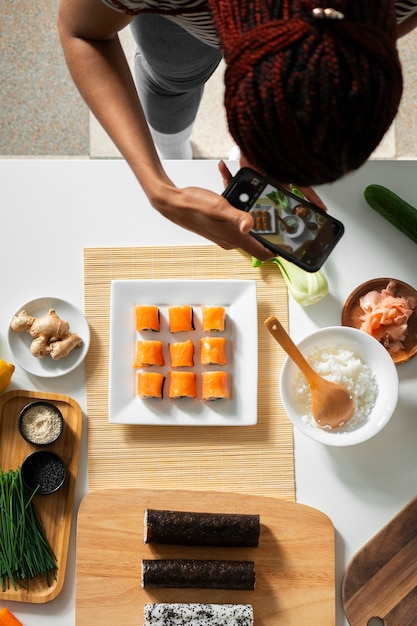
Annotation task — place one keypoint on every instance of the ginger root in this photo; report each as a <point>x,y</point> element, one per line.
<point>51,335</point>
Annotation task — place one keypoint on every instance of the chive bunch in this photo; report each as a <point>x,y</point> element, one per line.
<point>24,548</point>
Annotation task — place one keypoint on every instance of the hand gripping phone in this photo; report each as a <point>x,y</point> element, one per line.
<point>285,223</point>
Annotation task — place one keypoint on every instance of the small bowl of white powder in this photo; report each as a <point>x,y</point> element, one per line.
<point>41,423</point>
<point>352,358</point>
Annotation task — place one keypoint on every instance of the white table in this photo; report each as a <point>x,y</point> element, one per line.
<point>52,209</point>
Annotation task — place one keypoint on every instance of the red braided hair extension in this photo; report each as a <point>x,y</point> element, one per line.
<point>308,99</point>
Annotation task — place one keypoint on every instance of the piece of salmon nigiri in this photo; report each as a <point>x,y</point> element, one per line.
<point>150,384</point>
<point>213,318</point>
<point>181,318</point>
<point>182,353</point>
<point>215,385</point>
<point>148,353</point>
<point>147,317</point>
<point>183,385</point>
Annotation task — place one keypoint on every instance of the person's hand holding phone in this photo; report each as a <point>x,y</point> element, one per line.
<point>211,216</point>
<point>285,222</point>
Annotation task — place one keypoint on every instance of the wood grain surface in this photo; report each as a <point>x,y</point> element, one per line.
<point>294,562</point>
<point>55,510</point>
<point>381,579</point>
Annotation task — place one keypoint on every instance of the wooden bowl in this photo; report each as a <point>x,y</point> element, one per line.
<point>352,311</point>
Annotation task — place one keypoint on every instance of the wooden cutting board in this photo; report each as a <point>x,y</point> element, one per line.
<point>56,510</point>
<point>294,562</point>
<point>381,579</point>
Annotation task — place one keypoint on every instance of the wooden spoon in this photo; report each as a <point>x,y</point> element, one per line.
<point>331,404</point>
<point>284,223</point>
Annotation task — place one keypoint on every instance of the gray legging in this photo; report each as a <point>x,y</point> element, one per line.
<point>171,68</point>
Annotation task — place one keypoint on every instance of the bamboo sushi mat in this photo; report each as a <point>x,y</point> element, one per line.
<point>247,459</point>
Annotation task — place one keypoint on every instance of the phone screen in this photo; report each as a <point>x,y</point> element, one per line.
<point>285,223</point>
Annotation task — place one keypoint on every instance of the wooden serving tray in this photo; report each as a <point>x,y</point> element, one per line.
<point>381,579</point>
<point>55,510</point>
<point>294,562</point>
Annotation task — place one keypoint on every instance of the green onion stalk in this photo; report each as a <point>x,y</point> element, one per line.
<point>24,549</point>
<point>306,288</point>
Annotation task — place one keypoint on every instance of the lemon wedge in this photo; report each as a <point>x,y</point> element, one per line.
<point>6,373</point>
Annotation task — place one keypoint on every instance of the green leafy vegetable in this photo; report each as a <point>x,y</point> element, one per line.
<point>297,192</point>
<point>278,198</point>
<point>24,549</point>
<point>305,287</point>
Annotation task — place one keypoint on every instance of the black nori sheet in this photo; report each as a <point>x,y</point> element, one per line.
<point>198,574</point>
<point>201,529</point>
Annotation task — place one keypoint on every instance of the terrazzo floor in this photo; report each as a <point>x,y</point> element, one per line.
<point>42,114</point>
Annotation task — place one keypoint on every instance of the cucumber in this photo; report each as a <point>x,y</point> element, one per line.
<point>393,208</point>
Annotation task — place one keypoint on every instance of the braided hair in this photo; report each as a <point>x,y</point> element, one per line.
<point>308,99</point>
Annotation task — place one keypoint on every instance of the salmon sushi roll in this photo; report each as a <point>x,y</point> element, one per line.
<point>213,351</point>
<point>149,353</point>
<point>181,318</point>
<point>147,317</point>
<point>183,385</point>
<point>213,318</point>
<point>150,384</point>
<point>182,353</point>
<point>215,386</point>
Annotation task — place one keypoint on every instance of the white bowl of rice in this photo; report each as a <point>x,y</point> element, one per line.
<point>350,357</point>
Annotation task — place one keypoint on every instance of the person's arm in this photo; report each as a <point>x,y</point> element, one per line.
<point>89,35</point>
<point>407,25</point>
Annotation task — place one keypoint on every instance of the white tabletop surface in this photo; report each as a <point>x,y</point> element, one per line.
<point>52,209</point>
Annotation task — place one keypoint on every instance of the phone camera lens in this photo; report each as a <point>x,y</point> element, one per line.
<point>244,198</point>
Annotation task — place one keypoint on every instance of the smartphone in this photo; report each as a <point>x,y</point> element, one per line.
<point>285,223</point>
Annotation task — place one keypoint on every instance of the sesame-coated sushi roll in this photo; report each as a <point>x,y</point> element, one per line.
<point>183,385</point>
<point>181,318</point>
<point>213,351</point>
<point>150,384</point>
<point>149,353</point>
<point>215,386</point>
<point>182,353</point>
<point>213,319</point>
<point>147,317</point>
<point>194,614</point>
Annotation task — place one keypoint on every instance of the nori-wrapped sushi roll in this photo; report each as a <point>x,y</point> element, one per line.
<point>198,574</point>
<point>232,530</point>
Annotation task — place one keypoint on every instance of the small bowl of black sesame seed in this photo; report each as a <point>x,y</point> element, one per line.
<point>43,472</point>
<point>41,423</point>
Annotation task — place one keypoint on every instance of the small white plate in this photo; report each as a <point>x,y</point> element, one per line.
<point>19,343</point>
<point>241,332</point>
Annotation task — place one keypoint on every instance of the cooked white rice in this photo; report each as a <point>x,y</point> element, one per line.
<point>339,365</point>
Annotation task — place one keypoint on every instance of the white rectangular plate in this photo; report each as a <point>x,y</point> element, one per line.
<point>241,332</point>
